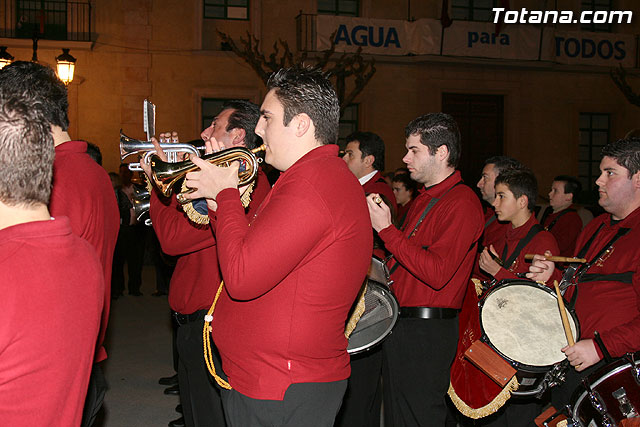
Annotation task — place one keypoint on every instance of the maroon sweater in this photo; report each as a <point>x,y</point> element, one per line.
<point>566,229</point>
<point>196,277</point>
<point>52,291</point>
<point>436,262</point>
<point>291,275</point>
<point>82,191</point>
<point>608,306</point>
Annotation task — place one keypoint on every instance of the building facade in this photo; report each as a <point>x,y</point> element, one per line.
<point>539,92</point>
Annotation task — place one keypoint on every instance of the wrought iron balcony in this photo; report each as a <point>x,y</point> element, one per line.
<point>45,20</point>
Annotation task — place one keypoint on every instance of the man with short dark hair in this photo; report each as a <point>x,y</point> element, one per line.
<point>561,218</point>
<point>433,255</point>
<point>52,283</point>
<point>81,191</point>
<point>607,287</point>
<point>494,229</point>
<point>364,155</point>
<point>293,270</point>
<point>196,276</point>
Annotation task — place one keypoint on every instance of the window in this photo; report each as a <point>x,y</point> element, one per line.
<point>597,5</point>
<point>42,19</point>
<point>472,10</point>
<point>348,124</point>
<point>594,134</point>
<point>210,108</point>
<point>226,9</point>
<point>339,7</point>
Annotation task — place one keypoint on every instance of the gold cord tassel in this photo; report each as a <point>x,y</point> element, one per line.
<point>487,409</point>
<point>206,338</point>
<point>357,312</point>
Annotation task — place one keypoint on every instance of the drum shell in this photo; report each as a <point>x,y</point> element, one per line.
<point>605,381</point>
<point>530,377</point>
<point>362,340</point>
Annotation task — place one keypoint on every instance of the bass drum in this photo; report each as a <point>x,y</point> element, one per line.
<point>609,396</point>
<point>375,312</point>
<point>521,321</point>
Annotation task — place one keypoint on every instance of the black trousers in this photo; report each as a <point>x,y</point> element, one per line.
<point>130,249</point>
<point>415,373</point>
<point>199,395</point>
<point>304,405</point>
<point>363,398</point>
<point>95,395</point>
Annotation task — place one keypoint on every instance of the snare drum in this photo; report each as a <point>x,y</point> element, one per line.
<point>521,321</point>
<point>614,395</point>
<point>380,310</point>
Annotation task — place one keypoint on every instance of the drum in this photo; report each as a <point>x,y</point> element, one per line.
<point>377,309</point>
<point>521,321</point>
<point>609,395</point>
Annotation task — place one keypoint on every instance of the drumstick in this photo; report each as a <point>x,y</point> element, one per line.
<point>529,257</point>
<point>563,314</point>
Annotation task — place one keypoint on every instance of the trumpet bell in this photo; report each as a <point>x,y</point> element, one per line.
<point>166,174</point>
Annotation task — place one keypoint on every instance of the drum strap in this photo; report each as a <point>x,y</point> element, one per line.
<point>521,244</point>
<point>555,220</point>
<point>490,221</point>
<point>430,205</point>
<point>579,273</point>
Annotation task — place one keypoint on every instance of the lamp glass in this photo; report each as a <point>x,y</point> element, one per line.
<point>65,71</point>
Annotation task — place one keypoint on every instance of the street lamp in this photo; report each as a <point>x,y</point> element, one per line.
<point>5,57</point>
<point>66,66</point>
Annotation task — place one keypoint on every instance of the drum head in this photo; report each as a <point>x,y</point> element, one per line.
<point>379,317</point>
<point>521,320</point>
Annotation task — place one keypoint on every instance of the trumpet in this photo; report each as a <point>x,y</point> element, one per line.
<point>131,147</point>
<point>166,174</point>
<point>141,203</point>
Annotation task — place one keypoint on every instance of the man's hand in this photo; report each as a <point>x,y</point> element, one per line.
<point>582,354</point>
<point>540,269</point>
<point>146,167</point>
<point>210,179</point>
<point>487,263</point>
<point>378,212</point>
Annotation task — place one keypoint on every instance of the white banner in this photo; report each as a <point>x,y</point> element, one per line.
<point>584,48</point>
<point>475,39</point>
<point>467,38</point>
<point>375,36</point>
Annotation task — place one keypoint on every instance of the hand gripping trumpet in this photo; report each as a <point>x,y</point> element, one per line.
<point>134,147</point>
<point>166,174</point>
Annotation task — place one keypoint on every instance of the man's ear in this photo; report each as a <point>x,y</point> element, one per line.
<point>442,153</point>
<point>302,124</point>
<point>238,136</point>
<point>523,202</point>
<point>369,160</point>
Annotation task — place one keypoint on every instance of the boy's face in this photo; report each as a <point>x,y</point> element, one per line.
<point>505,204</point>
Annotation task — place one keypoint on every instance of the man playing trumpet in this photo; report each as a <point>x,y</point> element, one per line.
<point>197,275</point>
<point>293,270</point>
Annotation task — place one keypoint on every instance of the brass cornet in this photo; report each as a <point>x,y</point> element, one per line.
<point>166,174</point>
<point>131,147</point>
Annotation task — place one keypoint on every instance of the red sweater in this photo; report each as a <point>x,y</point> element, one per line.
<point>610,307</point>
<point>495,230</point>
<point>52,293</point>
<point>541,242</point>
<point>291,276</point>
<point>82,191</point>
<point>435,263</point>
<point>196,277</point>
<point>566,230</point>
<point>377,184</point>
